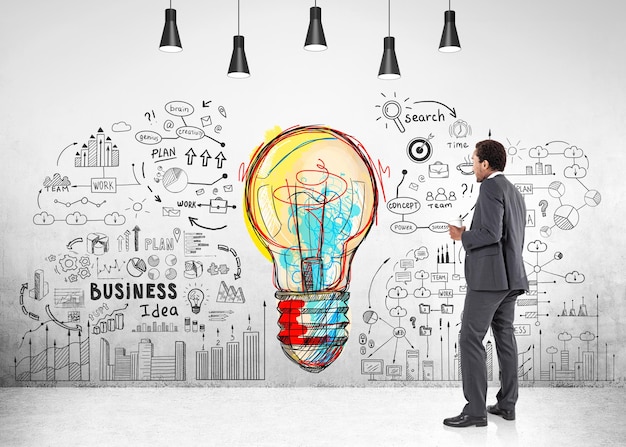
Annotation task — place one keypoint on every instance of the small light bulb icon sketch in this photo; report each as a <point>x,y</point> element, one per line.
<point>392,111</point>
<point>310,200</point>
<point>195,297</point>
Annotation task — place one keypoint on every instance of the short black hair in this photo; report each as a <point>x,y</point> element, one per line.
<point>493,152</point>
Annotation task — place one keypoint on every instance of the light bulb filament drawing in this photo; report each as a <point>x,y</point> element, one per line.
<point>310,200</point>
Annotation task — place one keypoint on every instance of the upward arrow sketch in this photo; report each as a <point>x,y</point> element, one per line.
<point>220,159</point>
<point>136,231</point>
<point>190,154</point>
<point>205,157</point>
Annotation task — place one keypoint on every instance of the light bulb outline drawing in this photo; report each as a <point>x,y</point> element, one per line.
<point>195,297</point>
<point>310,200</point>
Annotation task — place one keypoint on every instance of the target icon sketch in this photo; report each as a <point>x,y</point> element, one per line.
<point>419,149</point>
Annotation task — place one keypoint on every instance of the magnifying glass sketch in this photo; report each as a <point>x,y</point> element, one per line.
<point>392,111</point>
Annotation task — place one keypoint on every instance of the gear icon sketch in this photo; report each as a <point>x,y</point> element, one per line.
<point>68,263</point>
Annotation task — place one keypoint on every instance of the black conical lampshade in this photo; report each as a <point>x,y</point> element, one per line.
<point>389,68</point>
<point>170,41</point>
<point>238,67</point>
<point>449,38</point>
<point>315,40</point>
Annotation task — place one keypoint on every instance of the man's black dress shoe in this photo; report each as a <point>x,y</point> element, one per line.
<point>509,415</point>
<point>464,420</point>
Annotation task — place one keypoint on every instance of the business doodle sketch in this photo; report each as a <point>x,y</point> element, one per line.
<point>409,331</point>
<point>137,218</point>
<point>141,270</point>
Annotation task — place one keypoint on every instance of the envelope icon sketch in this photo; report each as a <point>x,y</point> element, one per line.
<point>168,211</point>
<point>438,170</point>
<point>228,188</point>
<point>206,121</point>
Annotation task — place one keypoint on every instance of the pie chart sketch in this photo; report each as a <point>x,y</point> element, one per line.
<point>593,198</point>
<point>136,267</point>
<point>556,189</point>
<point>175,180</point>
<point>566,217</point>
<point>370,317</point>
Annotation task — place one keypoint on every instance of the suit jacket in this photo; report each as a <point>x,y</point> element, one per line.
<point>495,241</point>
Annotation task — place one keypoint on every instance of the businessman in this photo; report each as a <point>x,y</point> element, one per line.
<point>495,276</point>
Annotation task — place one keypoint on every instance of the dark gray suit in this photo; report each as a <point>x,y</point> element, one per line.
<point>495,276</point>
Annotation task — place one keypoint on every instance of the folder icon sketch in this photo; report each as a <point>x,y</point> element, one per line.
<point>447,308</point>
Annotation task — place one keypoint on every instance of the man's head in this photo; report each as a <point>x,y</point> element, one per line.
<point>489,156</point>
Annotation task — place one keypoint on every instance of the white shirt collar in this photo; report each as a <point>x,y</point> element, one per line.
<point>493,174</point>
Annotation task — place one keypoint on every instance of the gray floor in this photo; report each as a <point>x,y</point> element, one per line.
<point>301,417</point>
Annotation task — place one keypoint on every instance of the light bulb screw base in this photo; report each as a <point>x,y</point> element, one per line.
<point>313,327</point>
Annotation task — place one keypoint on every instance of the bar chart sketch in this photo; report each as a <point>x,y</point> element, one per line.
<point>99,152</point>
<point>63,360</point>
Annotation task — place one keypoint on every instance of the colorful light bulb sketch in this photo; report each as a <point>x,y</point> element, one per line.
<point>311,198</point>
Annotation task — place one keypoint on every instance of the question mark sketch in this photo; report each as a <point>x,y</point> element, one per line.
<point>543,204</point>
<point>412,319</point>
<point>147,115</point>
<point>464,185</point>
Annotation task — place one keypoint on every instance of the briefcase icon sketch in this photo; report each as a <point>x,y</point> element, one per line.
<point>426,331</point>
<point>218,206</point>
<point>438,170</point>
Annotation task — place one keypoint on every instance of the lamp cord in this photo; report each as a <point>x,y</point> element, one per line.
<point>389,17</point>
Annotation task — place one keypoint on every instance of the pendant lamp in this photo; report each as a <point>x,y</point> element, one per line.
<point>449,38</point>
<point>238,67</point>
<point>389,68</point>
<point>170,40</point>
<point>315,40</point>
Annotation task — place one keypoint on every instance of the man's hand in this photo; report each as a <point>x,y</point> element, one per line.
<point>455,232</point>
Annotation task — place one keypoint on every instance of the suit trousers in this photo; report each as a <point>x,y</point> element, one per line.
<point>482,310</point>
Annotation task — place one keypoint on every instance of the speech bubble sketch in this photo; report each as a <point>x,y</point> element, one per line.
<point>421,253</point>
